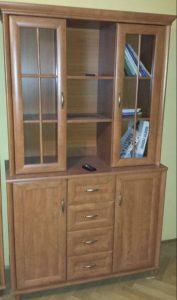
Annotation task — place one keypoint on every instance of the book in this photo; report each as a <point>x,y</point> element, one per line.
<point>142,69</point>
<point>130,111</point>
<point>141,137</point>
<point>131,63</point>
<point>140,147</point>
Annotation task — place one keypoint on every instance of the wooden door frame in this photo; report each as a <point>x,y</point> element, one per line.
<point>60,25</point>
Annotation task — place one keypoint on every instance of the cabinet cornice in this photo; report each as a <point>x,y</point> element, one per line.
<point>85,13</point>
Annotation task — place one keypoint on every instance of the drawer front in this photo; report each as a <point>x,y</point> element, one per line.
<point>91,265</point>
<point>90,241</point>
<point>90,216</point>
<point>91,189</point>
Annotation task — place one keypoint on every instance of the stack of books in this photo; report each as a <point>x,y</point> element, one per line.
<point>131,63</point>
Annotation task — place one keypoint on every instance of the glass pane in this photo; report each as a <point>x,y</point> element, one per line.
<point>131,55</point>
<point>142,134</point>
<point>49,137</point>
<point>30,95</point>
<point>31,143</point>
<point>28,40</point>
<point>49,98</point>
<point>144,97</point>
<point>129,94</point>
<point>47,41</point>
<point>147,54</point>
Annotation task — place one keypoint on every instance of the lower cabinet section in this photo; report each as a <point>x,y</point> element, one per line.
<point>56,242</point>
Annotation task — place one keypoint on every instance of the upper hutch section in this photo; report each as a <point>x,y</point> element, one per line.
<point>82,85</point>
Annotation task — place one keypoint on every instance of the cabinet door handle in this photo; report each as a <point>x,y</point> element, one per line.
<point>91,216</point>
<point>120,199</point>
<point>92,190</point>
<point>90,242</point>
<point>91,266</point>
<point>119,101</point>
<point>62,206</point>
<point>62,100</point>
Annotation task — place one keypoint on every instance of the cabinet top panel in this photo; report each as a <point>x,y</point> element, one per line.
<point>85,13</point>
<point>75,170</point>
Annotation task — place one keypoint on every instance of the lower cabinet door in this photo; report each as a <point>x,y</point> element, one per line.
<point>137,209</point>
<point>40,232</point>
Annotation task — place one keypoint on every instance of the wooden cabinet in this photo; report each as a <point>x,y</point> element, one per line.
<point>136,221</point>
<point>83,86</point>
<point>40,232</point>
<point>2,274</point>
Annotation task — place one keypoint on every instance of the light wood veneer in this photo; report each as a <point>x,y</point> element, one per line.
<point>66,225</point>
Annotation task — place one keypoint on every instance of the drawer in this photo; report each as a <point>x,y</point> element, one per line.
<point>91,265</point>
<point>91,189</point>
<point>90,241</point>
<point>90,215</point>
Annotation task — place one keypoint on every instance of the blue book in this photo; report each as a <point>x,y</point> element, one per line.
<point>130,62</point>
<point>143,71</point>
<point>134,57</point>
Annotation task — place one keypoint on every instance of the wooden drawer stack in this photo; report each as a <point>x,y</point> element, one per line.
<point>90,226</point>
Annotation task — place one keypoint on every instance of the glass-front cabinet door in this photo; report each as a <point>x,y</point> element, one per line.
<point>38,85</point>
<point>138,88</point>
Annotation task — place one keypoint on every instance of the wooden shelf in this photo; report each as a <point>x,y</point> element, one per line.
<point>87,77</point>
<point>87,118</point>
<point>46,118</point>
<point>39,75</point>
<point>32,160</point>
<point>138,117</point>
<point>139,77</point>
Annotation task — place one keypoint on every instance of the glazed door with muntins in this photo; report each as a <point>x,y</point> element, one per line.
<point>38,81</point>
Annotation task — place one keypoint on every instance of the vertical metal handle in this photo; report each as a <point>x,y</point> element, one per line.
<point>62,100</point>
<point>119,101</point>
<point>62,206</point>
<point>120,199</point>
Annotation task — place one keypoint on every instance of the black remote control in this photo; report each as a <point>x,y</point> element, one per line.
<point>89,168</point>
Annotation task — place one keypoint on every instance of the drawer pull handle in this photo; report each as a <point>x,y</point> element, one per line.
<point>91,266</point>
<point>91,216</point>
<point>90,242</point>
<point>92,190</point>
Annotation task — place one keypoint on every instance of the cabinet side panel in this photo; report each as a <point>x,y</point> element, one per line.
<point>11,235</point>
<point>162,94</point>
<point>8,94</point>
<point>2,277</point>
<point>160,217</point>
